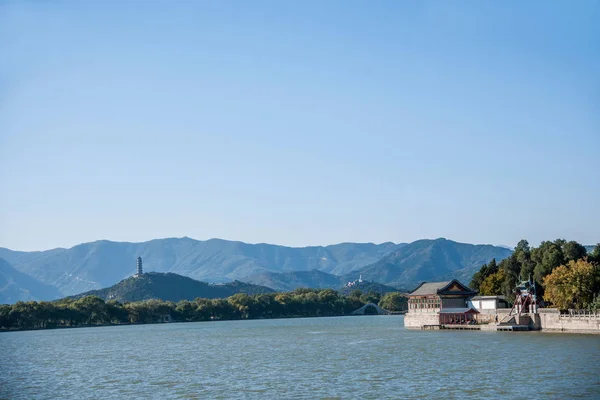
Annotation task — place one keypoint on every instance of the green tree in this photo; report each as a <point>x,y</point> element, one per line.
<point>511,272</point>
<point>371,297</point>
<point>116,312</point>
<point>356,294</point>
<point>4,316</point>
<point>485,271</point>
<point>595,254</point>
<point>241,304</point>
<point>573,251</point>
<point>477,278</point>
<point>522,254</point>
<point>547,256</point>
<point>492,267</point>
<point>595,304</point>
<point>283,298</point>
<point>93,310</point>
<point>328,296</point>
<point>185,310</point>
<point>394,301</point>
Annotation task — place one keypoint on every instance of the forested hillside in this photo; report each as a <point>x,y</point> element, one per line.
<point>287,281</point>
<point>170,287</point>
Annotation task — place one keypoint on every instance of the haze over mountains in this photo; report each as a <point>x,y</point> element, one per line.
<point>90,266</point>
<point>18,286</point>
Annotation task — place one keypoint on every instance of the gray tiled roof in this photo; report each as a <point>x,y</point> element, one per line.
<point>429,288</point>
<point>488,298</point>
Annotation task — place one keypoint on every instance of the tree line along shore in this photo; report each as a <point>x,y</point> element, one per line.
<point>94,311</point>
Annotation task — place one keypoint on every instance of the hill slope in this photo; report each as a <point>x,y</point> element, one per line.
<point>430,260</point>
<point>288,281</point>
<point>17,286</point>
<point>99,264</point>
<point>170,287</point>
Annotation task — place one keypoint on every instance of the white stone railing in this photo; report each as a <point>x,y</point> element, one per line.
<point>580,314</point>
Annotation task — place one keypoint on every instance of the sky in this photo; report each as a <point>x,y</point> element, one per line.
<point>299,123</point>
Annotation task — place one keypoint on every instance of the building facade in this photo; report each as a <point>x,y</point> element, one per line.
<point>440,303</point>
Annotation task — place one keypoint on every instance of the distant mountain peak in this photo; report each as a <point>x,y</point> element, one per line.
<point>428,260</point>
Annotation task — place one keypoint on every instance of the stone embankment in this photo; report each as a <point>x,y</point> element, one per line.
<point>551,320</point>
<point>545,320</point>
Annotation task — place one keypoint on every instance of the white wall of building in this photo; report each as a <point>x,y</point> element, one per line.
<point>488,304</point>
<point>484,304</point>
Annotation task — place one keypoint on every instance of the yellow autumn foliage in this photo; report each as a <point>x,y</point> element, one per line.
<point>573,285</point>
<point>492,285</point>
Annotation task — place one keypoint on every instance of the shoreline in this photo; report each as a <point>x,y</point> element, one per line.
<point>184,322</point>
<point>546,331</point>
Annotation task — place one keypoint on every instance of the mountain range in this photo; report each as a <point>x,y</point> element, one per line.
<point>100,264</point>
<point>55,273</point>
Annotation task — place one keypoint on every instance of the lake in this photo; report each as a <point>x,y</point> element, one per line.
<point>370,357</point>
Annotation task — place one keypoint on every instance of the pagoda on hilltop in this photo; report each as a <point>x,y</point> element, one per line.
<point>139,272</point>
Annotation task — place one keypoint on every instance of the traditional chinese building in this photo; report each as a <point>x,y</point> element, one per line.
<point>440,303</point>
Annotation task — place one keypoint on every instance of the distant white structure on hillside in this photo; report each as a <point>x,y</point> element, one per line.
<point>355,282</point>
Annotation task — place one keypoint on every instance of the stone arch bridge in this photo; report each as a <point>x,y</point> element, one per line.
<point>363,310</point>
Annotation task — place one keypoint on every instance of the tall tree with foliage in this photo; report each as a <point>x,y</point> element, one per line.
<point>511,273</point>
<point>547,256</point>
<point>573,251</point>
<point>522,254</point>
<point>478,277</point>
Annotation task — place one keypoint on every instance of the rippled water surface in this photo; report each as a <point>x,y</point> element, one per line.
<point>370,357</point>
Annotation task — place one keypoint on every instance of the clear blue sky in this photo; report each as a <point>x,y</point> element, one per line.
<point>299,123</point>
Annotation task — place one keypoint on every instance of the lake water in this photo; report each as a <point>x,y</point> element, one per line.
<point>371,357</point>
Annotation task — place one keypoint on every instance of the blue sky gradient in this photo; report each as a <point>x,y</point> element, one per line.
<point>299,123</point>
